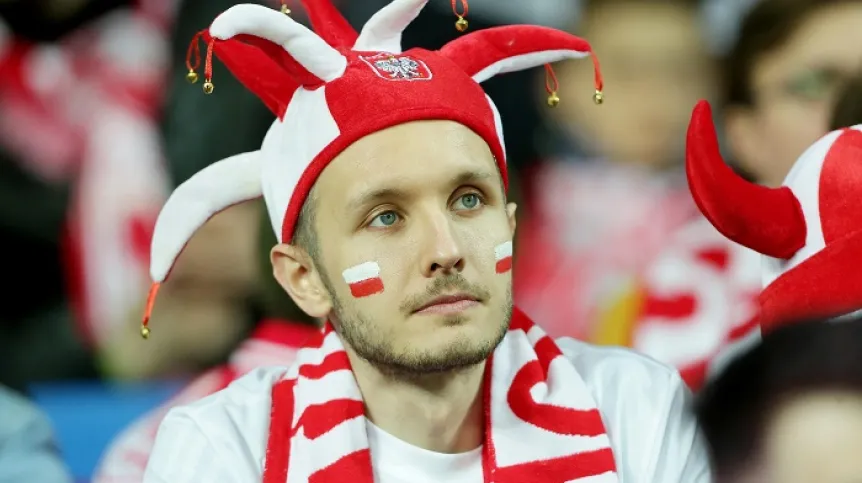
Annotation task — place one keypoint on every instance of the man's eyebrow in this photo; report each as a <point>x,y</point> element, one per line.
<point>377,195</point>
<point>372,196</point>
<point>467,177</point>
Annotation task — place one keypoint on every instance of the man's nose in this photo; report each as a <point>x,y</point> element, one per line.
<point>443,252</point>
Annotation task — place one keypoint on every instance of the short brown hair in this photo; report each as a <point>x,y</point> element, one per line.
<point>305,233</point>
<point>274,302</point>
<point>848,109</point>
<point>765,29</point>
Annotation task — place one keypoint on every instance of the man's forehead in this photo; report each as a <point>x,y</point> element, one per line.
<point>417,137</point>
<point>410,156</point>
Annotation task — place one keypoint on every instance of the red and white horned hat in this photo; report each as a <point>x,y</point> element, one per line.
<point>330,88</point>
<point>809,229</point>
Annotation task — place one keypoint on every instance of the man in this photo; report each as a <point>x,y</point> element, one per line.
<point>385,178</point>
<point>803,379</point>
<point>630,261</point>
<point>782,77</point>
<point>657,78</point>
<point>617,170</point>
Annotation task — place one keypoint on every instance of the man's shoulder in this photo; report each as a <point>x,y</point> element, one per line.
<point>226,431</point>
<point>624,383</point>
<point>644,404</point>
<point>244,396</point>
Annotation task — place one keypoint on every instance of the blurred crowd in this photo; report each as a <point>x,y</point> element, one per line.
<point>98,122</point>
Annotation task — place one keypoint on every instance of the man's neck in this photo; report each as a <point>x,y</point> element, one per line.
<point>441,412</point>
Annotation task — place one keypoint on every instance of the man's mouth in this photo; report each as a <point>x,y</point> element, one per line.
<point>448,304</point>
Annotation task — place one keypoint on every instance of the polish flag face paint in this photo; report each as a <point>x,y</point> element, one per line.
<point>364,279</point>
<point>503,256</point>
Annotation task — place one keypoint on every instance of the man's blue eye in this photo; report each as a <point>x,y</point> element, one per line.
<point>469,201</point>
<point>387,218</point>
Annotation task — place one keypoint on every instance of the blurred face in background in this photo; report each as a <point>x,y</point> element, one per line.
<point>655,67</point>
<point>815,437</point>
<point>793,88</point>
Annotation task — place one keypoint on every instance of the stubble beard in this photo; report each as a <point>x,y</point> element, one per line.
<point>371,344</point>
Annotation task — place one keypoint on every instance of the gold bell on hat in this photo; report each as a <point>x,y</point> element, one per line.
<point>208,87</point>
<point>598,97</point>
<point>192,76</point>
<point>461,24</point>
<point>551,86</point>
<point>148,310</point>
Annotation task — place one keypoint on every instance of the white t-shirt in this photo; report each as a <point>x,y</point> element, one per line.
<point>222,438</point>
<point>395,461</point>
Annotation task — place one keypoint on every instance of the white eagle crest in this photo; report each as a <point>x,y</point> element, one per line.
<point>399,67</point>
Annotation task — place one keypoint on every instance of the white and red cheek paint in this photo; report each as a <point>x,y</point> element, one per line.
<point>364,279</point>
<point>503,257</point>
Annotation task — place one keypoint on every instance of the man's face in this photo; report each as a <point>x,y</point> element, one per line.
<point>421,206</point>
<point>816,437</point>
<point>794,88</point>
<point>655,66</point>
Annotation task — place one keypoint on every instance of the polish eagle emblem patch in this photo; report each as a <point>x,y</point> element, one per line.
<point>397,67</point>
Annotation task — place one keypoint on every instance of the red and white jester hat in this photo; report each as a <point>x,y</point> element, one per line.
<point>330,88</point>
<point>809,229</point>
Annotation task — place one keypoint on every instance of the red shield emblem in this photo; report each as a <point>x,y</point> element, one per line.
<point>396,67</point>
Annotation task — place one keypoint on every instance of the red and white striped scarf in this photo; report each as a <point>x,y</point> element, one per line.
<point>541,423</point>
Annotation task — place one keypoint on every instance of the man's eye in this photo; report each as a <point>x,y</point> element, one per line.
<point>469,201</point>
<point>385,219</point>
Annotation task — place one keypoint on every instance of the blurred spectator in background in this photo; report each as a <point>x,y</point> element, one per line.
<point>213,299</point>
<point>848,108</point>
<point>207,307</point>
<point>610,191</point>
<point>28,452</point>
<point>83,168</point>
<point>782,78</point>
<point>655,64</point>
<point>790,409</point>
<point>272,342</point>
<point>80,168</point>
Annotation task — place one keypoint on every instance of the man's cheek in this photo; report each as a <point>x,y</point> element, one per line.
<point>363,279</point>
<point>503,257</point>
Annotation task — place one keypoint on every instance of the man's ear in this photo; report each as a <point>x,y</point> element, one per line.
<point>511,208</point>
<point>294,270</point>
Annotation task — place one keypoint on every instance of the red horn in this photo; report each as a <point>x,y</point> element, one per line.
<point>767,220</point>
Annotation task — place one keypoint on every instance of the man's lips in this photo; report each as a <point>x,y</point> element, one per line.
<point>448,304</point>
